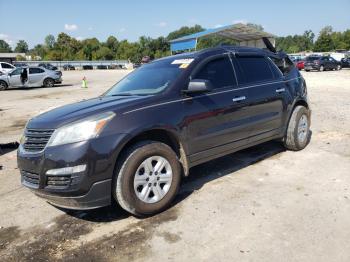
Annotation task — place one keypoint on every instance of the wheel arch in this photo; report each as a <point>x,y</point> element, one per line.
<point>160,135</point>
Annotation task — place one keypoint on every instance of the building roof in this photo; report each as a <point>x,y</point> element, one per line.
<point>11,55</point>
<point>239,32</point>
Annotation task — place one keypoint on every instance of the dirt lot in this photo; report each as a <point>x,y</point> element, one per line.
<point>261,204</point>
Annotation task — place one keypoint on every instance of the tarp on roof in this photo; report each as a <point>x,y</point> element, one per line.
<point>242,33</point>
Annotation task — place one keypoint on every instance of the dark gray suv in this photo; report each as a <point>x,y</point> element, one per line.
<point>134,143</point>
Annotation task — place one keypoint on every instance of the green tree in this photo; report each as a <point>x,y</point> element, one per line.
<point>185,30</point>
<point>4,47</point>
<point>104,53</point>
<point>324,42</point>
<point>21,47</point>
<point>112,43</point>
<point>50,41</point>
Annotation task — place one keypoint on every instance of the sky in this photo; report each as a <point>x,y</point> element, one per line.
<point>32,20</point>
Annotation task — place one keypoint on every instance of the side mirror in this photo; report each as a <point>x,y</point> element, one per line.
<point>198,86</point>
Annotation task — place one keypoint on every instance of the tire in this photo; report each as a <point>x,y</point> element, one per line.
<point>49,82</point>
<point>294,140</point>
<point>307,70</point>
<point>3,85</point>
<point>125,188</point>
<point>321,68</point>
<point>338,67</point>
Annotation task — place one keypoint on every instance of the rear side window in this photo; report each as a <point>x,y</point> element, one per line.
<point>284,64</point>
<point>3,65</point>
<point>252,69</point>
<point>36,71</point>
<point>219,71</point>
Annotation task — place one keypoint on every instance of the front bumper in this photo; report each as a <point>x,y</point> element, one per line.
<point>58,81</point>
<point>85,190</point>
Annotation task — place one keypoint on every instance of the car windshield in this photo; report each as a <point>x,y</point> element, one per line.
<point>312,58</point>
<point>149,79</point>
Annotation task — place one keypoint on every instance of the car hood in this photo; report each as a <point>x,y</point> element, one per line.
<point>73,112</point>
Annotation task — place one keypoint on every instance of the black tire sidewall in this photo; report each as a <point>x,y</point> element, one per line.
<point>4,86</point>
<point>126,178</point>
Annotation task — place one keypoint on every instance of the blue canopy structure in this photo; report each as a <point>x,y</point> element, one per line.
<point>243,34</point>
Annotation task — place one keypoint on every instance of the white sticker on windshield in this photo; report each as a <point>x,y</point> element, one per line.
<point>182,61</point>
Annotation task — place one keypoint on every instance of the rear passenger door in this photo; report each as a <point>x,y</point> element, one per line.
<point>266,94</point>
<point>214,120</point>
<point>35,77</point>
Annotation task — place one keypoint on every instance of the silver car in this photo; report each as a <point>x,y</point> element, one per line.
<point>30,77</point>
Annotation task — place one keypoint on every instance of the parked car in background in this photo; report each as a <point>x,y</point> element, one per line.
<point>345,62</point>
<point>36,77</point>
<point>298,62</point>
<point>101,67</point>
<point>88,67</point>
<point>133,144</point>
<point>6,67</point>
<point>16,64</point>
<point>48,66</point>
<point>321,63</point>
<point>68,67</point>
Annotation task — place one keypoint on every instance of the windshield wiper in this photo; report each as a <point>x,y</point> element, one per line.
<point>124,94</point>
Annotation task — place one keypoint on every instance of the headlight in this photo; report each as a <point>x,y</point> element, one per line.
<point>80,131</point>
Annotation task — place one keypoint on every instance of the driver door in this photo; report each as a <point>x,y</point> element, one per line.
<point>15,77</point>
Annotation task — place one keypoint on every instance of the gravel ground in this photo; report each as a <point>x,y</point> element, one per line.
<point>260,204</point>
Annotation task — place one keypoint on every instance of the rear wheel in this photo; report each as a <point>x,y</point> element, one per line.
<point>147,179</point>
<point>298,132</point>
<point>49,82</point>
<point>3,85</point>
<point>338,67</point>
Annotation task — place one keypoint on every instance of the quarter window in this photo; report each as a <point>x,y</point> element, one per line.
<point>253,69</point>
<point>284,64</point>
<point>219,71</point>
<point>35,71</point>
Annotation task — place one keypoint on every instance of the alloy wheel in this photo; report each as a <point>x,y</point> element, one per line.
<point>152,179</point>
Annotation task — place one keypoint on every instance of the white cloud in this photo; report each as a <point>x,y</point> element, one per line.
<point>90,28</point>
<point>72,27</point>
<point>6,38</point>
<point>162,24</point>
<point>240,21</point>
<point>218,25</point>
<point>122,30</point>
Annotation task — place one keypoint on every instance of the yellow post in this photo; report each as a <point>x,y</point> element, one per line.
<point>84,83</point>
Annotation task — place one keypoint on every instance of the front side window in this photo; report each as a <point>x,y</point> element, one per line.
<point>219,71</point>
<point>17,71</point>
<point>36,71</point>
<point>149,79</point>
<point>252,69</point>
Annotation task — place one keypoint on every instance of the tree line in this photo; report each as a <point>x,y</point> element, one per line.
<point>64,47</point>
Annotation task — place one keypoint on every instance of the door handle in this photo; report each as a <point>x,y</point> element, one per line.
<point>238,98</point>
<point>280,90</point>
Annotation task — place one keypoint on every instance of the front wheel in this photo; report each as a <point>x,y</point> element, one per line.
<point>338,67</point>
<point>321,68</point>
<point>298,131</point>
<point>49,82</point>
<point>147,179</point>
<point>3,85</point>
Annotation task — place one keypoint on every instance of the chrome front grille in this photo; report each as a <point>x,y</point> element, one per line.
<point>36,139</point>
